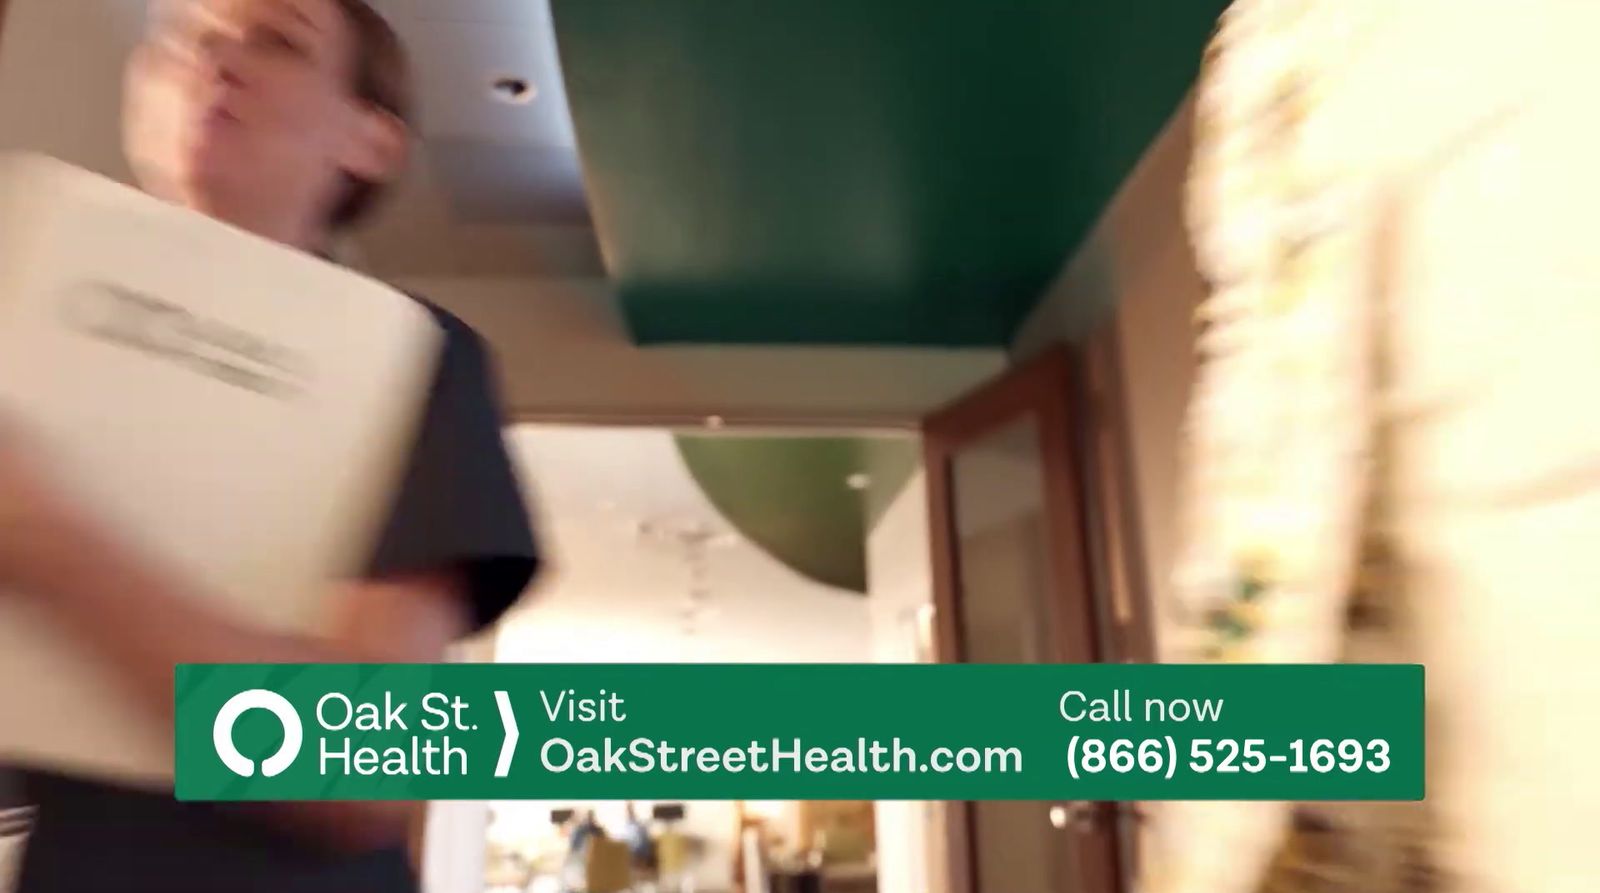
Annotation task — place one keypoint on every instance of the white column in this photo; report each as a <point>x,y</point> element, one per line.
<point>900,567</point>
<point>456,838</point>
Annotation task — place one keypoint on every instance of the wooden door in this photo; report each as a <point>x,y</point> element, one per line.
<point>1014,571</point>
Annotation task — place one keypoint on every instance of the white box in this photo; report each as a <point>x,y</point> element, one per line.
<point>239,409</point>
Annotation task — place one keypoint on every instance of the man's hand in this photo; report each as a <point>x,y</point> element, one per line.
<point>41,527</point>
<point>144,618</point>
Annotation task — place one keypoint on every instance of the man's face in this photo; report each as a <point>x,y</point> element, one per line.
<point>242,100</point>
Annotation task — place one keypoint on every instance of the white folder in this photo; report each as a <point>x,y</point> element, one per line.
<point>239,410</point>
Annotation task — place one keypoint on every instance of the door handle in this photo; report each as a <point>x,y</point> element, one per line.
<point>1081,816</point>
<point>1092,815</point>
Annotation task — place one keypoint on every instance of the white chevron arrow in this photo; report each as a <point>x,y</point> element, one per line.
<point>508,748</point>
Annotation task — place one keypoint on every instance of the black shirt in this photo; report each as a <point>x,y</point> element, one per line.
<point>459,508</point>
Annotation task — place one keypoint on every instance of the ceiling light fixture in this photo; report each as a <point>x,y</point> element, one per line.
<point>694,539</point>
<point>513,90</point>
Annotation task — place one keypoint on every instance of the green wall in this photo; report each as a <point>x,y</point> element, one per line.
<point>791,495</point>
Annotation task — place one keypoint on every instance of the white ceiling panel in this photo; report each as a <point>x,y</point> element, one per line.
<point>501,196</point>
<point>490,183</point>
<point>457,64</point>
<point>489,162</point>
<point>488,12</point>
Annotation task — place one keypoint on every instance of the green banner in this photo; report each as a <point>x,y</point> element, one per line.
<point>776,731</point>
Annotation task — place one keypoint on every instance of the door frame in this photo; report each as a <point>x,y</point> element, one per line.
<point>1050,389</point>
<point>1122,580</point>
<point>1043,387</point>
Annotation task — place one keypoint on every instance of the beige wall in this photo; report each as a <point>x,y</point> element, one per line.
<point>564,356</point>
<point>61,67</point>
<point>1134,281</point>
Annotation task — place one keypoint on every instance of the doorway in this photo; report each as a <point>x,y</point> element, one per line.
<point>1015,570</point>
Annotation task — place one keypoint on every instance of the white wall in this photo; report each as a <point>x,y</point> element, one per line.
<point>900,573</point>
<point>900,580</point>
<point>616,597</point>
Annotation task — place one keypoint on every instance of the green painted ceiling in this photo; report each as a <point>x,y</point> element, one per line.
<point>860,171</point>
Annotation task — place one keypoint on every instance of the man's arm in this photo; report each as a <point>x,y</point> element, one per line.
<point>146,619</point>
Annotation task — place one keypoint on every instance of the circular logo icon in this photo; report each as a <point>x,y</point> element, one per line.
<point>257,699</point>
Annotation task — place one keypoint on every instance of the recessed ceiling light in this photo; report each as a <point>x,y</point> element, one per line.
<point>513,90</point>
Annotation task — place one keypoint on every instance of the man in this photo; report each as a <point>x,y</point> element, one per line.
<point>284,118</point>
